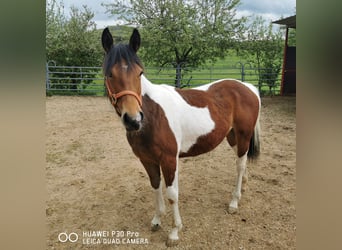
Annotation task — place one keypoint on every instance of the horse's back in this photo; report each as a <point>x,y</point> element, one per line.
<point>230,86</point>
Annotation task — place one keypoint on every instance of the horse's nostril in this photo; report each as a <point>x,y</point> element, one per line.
<point>141,115</point>
<point>126,118</point>
<point>131,123</point>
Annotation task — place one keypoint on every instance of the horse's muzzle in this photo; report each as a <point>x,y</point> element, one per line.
<point>132,123</point>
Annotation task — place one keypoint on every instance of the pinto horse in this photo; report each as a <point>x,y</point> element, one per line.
<point>164,123</point>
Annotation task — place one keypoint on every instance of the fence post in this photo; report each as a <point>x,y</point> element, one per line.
<point>259,80</point>
<point>242,70</point>
<point>178,75</point>
<point>48,74</point>
<point>81,84</point>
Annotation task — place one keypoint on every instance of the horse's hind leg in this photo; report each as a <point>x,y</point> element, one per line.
<point>153,171</point>
<point>241,167</point>
<point>239,144</point>
<point>232,142</point>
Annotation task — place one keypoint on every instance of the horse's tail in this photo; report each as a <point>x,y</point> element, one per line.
<point>254,144</point>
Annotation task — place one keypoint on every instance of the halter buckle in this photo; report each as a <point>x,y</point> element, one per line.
<point>113,99</point>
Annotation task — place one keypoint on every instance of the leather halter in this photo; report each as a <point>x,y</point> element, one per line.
<point>114,97</point>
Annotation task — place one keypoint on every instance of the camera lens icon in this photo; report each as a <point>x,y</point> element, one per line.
<point>64,237</point>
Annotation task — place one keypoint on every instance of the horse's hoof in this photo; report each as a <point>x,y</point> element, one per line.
<point>155,227</point>
<point>171,242</point>
<point>232,210</point>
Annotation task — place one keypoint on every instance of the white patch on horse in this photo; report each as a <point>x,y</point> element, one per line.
<point>160,206</point>
<point>186,122</point>
<point>124,67</point>
<point>205,87</point>
<point>241,168</point>
<point>172,194</point>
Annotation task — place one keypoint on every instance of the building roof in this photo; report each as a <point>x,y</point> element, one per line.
<point>290,22</point>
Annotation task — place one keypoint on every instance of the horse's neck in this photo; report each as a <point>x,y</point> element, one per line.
<point>147,87</point>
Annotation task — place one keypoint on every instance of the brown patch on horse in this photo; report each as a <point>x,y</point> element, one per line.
<point>226,110</point>
<point>155,144</point>
<point>231,138</point>
<point>194,97</point>
<point>123,79</point>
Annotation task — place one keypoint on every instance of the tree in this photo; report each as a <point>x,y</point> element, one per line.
<point>292,37</point>
<point>72,41</point>
<point>263,47</point>
<point>179,32</point>
<point>55,22</point>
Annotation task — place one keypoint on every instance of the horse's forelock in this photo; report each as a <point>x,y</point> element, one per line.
<point>118,54</point>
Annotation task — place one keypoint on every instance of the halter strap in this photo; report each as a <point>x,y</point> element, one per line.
<point>114,97</point>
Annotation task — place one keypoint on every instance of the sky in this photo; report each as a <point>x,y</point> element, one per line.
<point>270,10</point>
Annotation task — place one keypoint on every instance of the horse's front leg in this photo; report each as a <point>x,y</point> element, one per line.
<point>153,171</point>
<point>160,208</point>
<point>170,172</point>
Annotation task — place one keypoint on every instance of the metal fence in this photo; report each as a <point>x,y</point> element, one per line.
<point>74,80</point>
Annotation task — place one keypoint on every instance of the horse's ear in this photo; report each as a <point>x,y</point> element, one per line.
<point>107,40</point>
<point>134,41</point>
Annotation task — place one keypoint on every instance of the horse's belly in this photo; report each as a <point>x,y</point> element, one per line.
<point>204,144</point>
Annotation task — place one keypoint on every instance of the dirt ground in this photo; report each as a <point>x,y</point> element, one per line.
<point>99,196</point>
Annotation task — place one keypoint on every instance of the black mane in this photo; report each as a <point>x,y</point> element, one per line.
<point>119,53</point>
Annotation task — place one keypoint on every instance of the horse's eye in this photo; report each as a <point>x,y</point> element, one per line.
<point>142,72</point>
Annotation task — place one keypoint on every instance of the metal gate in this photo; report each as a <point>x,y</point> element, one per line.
<point>75,80</point>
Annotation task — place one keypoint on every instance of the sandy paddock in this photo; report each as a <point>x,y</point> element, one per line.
<point>95,184</point>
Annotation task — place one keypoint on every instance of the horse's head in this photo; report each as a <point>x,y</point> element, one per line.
<point>122,69</point>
